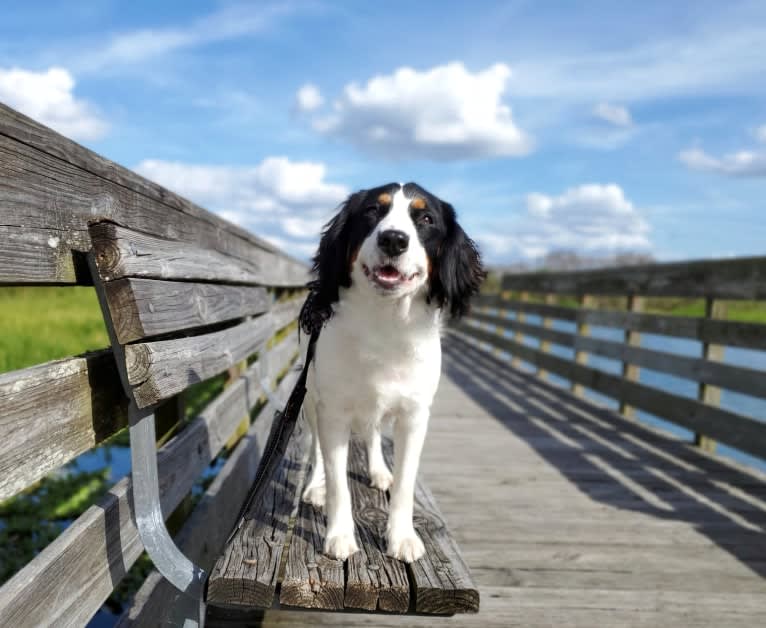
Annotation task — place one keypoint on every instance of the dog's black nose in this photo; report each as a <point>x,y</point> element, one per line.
<point>393,242</point>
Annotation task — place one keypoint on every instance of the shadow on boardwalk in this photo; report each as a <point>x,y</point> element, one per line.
<point>617,461</point>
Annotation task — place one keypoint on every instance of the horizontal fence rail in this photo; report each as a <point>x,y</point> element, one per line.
<point>536,294</point>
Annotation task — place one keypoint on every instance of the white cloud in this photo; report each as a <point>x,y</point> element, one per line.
<point>592,218</point>
<point>614,114</point>
<point>48,97</point>
<point>744,163</point>
<point>711,59</point>
<point>231,22</point>
<point>760,133</point>
<point>284,201</point>
<point>308,98</point>
<point>443,113</point>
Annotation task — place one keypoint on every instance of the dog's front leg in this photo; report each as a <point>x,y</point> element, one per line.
<point>409,434</point>
<point>334,431</point>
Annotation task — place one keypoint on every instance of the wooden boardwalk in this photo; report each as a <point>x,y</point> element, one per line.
<point>570,515</point>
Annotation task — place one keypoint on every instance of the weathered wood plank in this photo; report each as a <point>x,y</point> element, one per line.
<point>736,430</point>
<point>158,370</point>
<point>311,579</point>
<point>246,572</point>
<point>204,534</point>
<point>141,308</point>
<point>69,580</point>
<point>373,580</point>
<point>121,252</point>
<point>731,333</point>
<point>51,413</point>
<point>54,187</point>
<point>712,372</point>
<point>285,312</point>
<point>441,580</point>
<point>743,278</point>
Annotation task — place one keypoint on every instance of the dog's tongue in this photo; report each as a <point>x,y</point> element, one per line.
<point>389,272</point>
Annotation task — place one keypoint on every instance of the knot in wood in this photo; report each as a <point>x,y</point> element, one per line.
<point>108,257</point>
<point>137,363</point>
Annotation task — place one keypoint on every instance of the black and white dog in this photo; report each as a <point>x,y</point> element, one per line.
<point>390,265</point>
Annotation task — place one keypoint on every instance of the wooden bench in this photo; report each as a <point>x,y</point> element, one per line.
<point>187,298</point>
<point>178,314</point>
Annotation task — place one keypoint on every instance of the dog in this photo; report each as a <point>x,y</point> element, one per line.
<point>391,265</point>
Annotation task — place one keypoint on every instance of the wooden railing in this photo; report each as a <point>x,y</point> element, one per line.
<point>51,189</point>
<point>714,281</point>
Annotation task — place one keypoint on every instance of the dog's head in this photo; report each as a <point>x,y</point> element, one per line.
<point>394,241</point>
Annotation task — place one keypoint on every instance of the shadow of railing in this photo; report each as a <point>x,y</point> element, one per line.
<point>617,461</point>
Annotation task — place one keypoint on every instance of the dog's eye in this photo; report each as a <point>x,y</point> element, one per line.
<point>425,219</point>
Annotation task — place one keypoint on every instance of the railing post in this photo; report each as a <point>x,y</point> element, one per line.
<point>583,329</point>
<point>499,329</point>
<point>518,336</point>
<point>710,394</point>
<point>545,345</point>
<point>630,372</point>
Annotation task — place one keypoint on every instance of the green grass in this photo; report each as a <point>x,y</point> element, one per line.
<point>39,324</point>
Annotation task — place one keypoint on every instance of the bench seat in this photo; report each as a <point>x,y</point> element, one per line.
<point>275,555</point>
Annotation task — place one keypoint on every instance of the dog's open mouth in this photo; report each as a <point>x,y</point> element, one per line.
<point>388,276</point>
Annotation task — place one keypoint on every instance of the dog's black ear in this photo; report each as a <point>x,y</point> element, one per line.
<point>459,271</point>
<point>332,266</point>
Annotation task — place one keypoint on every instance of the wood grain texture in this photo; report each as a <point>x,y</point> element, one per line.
<point>311,579</point>
<point>204,534</point>
<point>51,413</point>
<point>141,308</point>
<point>121,252</point>
<point>743,278</point>
<point>441,581</point>
<point>69,580</point>
<point>54,187</point>
<point>736,430</point>
<point>158,370</point>
<point>246,573</point>
<point>731,333</point>
<point>374,581</point>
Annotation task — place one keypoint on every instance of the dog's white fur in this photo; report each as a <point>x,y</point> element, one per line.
<point>378,360</point>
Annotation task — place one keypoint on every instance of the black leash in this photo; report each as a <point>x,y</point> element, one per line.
<point>281,431</point>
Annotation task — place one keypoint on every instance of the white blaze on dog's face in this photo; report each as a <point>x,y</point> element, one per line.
<point>392,258</point>
<point>390,242</point>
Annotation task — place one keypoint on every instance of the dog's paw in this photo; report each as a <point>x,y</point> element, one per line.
<point>315,495</point>
<point>340,546</point>
<point>406,547</point>
<point>381,478</point>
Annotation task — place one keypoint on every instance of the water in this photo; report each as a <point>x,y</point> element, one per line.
<point>735,402</point>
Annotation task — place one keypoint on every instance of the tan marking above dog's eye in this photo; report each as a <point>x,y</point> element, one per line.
<point>418,203</point>
<point>384,199</point>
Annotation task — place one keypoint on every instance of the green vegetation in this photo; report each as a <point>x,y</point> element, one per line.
<point>30,521</point>
<point>42,324</point>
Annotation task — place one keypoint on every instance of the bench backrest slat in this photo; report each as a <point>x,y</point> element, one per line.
<point>52,413</point>
<point>56,187</point>
<point>142,308</point>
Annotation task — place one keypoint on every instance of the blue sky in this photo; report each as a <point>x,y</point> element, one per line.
<point>597,127</point>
